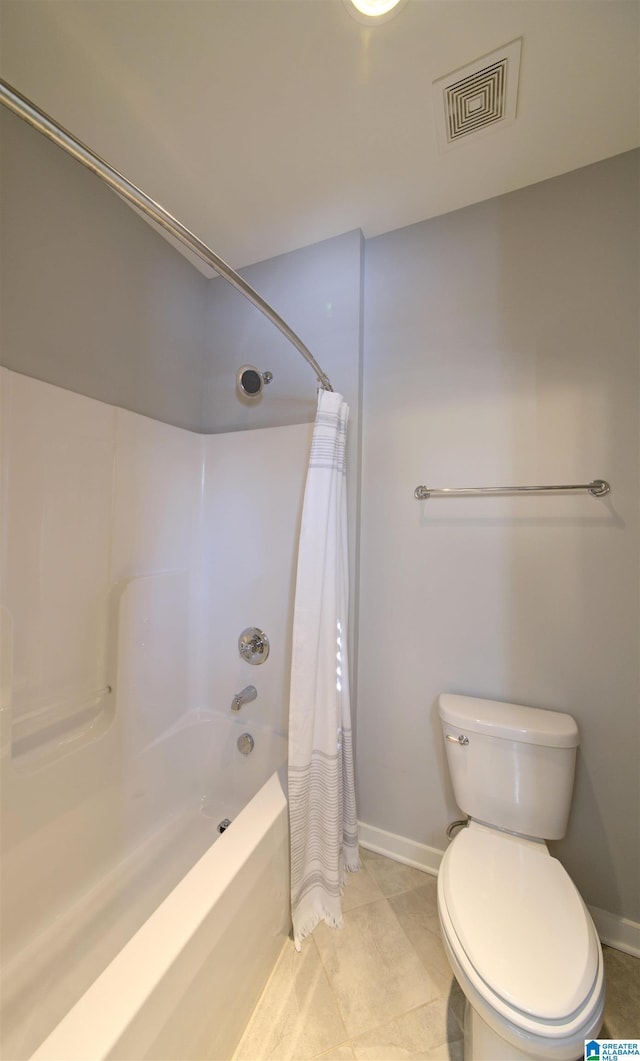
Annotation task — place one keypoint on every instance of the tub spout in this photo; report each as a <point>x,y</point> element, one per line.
<point>248,693</point>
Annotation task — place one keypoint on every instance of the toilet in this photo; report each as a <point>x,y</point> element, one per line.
<point>519,939</point>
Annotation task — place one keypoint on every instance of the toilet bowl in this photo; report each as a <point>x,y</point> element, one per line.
<point>522,946</point>
<point>519,939</point>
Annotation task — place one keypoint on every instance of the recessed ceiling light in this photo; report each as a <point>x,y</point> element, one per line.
<point>370,11</point>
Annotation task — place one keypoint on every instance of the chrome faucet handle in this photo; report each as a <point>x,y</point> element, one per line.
<point>253,645</point>
<point>248,693</point>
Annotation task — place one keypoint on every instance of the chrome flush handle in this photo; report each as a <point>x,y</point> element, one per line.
<point>461,739</point>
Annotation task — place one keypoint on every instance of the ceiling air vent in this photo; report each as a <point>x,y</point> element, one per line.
<point>478,97</point>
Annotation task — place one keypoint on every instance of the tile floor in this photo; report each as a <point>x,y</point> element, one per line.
<point>381,988</point>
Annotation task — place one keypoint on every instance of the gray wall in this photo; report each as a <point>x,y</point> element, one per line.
<point>97,302</point>
<point>91,298</point>
<point>501,346</point>
<point>317,291</point>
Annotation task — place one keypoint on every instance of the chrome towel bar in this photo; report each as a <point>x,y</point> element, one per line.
<point>598,488</point>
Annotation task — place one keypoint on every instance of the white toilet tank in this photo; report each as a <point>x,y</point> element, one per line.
<point>511,766</point>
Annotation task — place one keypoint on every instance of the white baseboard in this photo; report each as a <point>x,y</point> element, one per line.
<point>617,932</point>
<point>400,848</point>
<point>614,931</point>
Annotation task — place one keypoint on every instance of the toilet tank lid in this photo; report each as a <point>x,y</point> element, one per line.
<point>530,725</point>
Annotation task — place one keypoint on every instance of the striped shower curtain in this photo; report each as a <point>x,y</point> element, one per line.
<point>322,809</point>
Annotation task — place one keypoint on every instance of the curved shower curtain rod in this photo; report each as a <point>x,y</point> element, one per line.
<point>25,109</point>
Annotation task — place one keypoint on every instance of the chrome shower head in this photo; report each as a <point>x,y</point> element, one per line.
<point>250,382</point>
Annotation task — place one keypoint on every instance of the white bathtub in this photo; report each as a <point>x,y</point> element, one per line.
<point>184,984</point>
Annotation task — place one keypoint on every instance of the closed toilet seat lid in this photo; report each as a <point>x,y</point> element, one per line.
<point>521,922</point>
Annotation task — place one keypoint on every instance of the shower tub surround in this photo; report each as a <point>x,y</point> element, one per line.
<point>127,971</point>
<point>187,982</point>
<point>119,752</point>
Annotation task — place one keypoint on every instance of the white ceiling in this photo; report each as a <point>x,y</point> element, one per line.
<point>266,125</point>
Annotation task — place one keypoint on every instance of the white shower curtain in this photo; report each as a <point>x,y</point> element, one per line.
<point>322,809</point>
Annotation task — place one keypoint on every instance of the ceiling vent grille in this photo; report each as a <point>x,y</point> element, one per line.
<point>478,97</point>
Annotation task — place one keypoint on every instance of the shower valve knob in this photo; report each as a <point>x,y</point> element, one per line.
<point>253,645</point>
